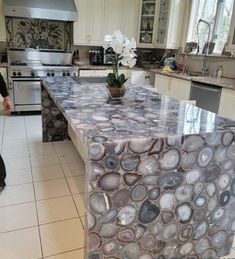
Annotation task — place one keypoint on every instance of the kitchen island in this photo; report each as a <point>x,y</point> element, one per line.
<point>160,179</point>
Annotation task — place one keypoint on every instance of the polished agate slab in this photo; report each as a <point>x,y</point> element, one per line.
<point>160,180</point>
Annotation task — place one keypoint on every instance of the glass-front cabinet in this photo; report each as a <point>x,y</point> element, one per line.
<point>147,22</point>
<point>160,23</point>
<point>163,21</point>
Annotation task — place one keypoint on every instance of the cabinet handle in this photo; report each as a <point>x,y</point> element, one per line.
<point>147,77</point>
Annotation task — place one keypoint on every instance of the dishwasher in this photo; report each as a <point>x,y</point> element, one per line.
<point>206,96</point>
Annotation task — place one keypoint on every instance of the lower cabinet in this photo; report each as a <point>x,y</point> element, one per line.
<point>176,88</point>
<point>227,104</point>
<point>141,77</point>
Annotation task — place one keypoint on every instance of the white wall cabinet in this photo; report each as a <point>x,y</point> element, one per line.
<point>176,88</point>
<point>130,13</point>
<point>89,29</point>
<point>231,38</point>
<point>100,17</point>
<point>169,33</point>
<point>227,104</point>
<point>113,15</point>
<point>161,23</point>
<point>2,23</point>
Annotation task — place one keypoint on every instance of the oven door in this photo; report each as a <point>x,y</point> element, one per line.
<point>27,94</point>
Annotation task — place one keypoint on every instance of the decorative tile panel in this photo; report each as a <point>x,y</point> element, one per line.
<point>33,33</point>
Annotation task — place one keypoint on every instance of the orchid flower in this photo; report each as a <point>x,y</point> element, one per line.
<point>124,50</point>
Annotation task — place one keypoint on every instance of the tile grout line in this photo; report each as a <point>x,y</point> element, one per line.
<point>3,132</point>
<point>39,233</point>
<point>64,253</point>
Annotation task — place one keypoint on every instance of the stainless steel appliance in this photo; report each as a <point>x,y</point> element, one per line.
<point>43,9</point>
<point>25,70</point>
<point>96,57</point>
<point>108,56</point>
<point>207,96</point>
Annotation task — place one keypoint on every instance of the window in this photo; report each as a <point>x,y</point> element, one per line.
<point>218,14</point>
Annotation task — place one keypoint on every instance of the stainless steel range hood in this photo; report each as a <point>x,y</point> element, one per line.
<point>64,10</point>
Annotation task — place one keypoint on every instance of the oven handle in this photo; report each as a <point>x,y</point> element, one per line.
<point>25,79</point>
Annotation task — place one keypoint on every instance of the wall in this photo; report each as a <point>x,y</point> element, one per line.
<point>194,63</point>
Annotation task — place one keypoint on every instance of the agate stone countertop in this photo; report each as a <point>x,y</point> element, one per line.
<point>160,174</point>
<point>140,113</point>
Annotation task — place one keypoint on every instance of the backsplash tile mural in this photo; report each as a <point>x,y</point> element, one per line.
<point>30,33</point>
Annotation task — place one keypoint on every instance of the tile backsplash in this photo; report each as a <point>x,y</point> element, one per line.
<point>33,33</point>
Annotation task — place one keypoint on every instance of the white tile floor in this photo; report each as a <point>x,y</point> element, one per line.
<point>42,207</point>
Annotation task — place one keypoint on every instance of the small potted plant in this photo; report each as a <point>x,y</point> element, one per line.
<point>124,53</point>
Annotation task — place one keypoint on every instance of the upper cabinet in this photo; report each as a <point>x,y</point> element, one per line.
<point>231,38</point>
<point>161,23</point>
<point>113,15</point>
<point>100,17</point>
<point>147,23</point>
<point>130,14</point>
<point>2,23</point>
<point>89,29</point>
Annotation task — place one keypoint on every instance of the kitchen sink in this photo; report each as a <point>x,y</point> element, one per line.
<point>191,74</point>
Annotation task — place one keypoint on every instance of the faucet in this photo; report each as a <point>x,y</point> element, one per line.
<point>204,67</point>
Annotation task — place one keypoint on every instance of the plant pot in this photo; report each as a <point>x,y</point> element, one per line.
<point>116,92</point>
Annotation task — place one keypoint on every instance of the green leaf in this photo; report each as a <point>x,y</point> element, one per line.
<point>121,79</point>
<point>110,78</point>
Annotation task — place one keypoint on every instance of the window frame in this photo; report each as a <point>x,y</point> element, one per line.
<point>189,29</point>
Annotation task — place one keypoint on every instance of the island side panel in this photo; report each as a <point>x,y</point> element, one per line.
<point>171,197</point>
<point>54,125</point>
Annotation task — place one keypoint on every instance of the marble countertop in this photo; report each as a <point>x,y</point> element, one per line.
<point>141,113</point>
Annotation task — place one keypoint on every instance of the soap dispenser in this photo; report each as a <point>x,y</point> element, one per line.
<point>220,72</point>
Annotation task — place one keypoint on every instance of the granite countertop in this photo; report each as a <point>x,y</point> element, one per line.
<point>223,82</point>
<point>140,113</point>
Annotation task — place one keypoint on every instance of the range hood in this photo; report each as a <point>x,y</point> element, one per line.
<point>60,10</point>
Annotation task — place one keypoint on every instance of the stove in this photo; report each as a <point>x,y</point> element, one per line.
<point>27,68</point>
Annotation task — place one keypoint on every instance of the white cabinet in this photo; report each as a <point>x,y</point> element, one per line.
<point>89,29</point>
<point>97,18</point>
<point>130,12</point>
<point>227,104</point>
<point>176,88</point>
<point>121,15</point>
<point>180,89</point>
<point>113,15</point>
<point>163,84</point>
<point>94,72</point>
<point>140,77</point>
<point>231,38</point>
<point>2,23</point>
<point>170,23</point>
<point>161,23</point>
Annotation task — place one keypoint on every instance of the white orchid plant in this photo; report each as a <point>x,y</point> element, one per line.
<point>124,50</point>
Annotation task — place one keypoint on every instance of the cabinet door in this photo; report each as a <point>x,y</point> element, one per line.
<point>96,17</point>
<point>2,23</point>
<point>163,84</point>
<point>227,104</point>
<point>180,89</point>
<point>147,23</point>
<point>130,12</point>
<point>231,38</point>
<point>140,77</point>
<point>81,27</point>
<point>175,25</point>
<point>113,15</point>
